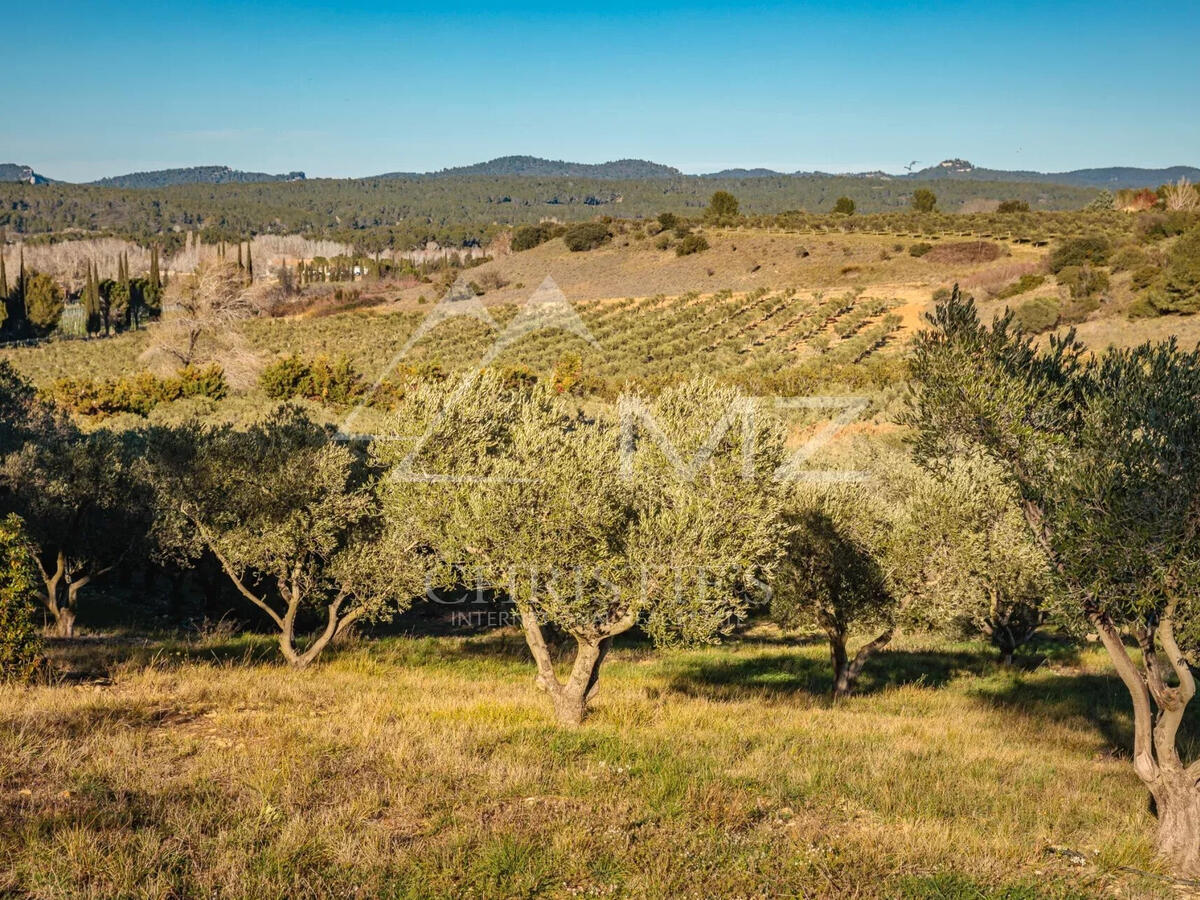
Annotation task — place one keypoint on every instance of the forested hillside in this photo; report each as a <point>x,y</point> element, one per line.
<point>462,207</point>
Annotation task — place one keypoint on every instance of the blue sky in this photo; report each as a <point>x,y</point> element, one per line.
<point>359,88</point>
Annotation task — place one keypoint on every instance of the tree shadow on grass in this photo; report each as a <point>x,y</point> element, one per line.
<point>96,658</point>
<point>787,673</point>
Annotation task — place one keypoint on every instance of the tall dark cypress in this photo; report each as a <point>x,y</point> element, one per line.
<point>3,276</point>
<point>249,263</point>
<point>240,264</point>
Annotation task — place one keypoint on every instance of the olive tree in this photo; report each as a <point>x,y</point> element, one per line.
<point>1104,454</point>
<point>591,526</point>
<point>834,576</point>
<point>971,560</point>
<point>292,518</point>
<point>84,506</point>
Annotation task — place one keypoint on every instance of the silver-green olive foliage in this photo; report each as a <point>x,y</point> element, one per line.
<point>594,524</point>
<point>292,517</point>
<point>971,559</point>
<point>1104,453</point>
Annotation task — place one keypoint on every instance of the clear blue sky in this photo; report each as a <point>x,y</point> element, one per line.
<point>356,88</point>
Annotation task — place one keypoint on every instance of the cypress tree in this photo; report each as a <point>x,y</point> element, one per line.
<point>249,263</point>
<point>3,276</point>
<point>241,265</point>
<point>92,299</point>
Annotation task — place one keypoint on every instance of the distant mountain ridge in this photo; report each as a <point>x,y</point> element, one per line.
<point>505,166</point>
<point>18,172</point>
<point>192,175</point>
<point>1112,177</point>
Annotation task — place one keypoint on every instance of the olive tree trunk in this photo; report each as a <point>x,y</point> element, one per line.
<point>1158,709</point>
<point>61,589</point>
<point>571,697</point>
<point>293,597</point>
<point>1010,626</point>
<point>845,669</point>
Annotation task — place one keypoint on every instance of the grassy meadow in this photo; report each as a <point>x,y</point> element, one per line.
<point>430,767</point>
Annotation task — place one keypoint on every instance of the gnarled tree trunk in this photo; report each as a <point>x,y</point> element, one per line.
<point>61,593</point>
<point>293,596</point>
<point>572,696</point>
<point>845,669</point>
<point>1174,786</point>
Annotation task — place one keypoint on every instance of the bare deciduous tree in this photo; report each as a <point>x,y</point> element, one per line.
<point>199,326</point>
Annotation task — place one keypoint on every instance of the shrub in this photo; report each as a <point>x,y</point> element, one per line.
<point>527,237</point>
<point>1081,251</point>
<point>1037,314</point>
<point>924,200</point>
<point>667,220</point>
<point>723,206</point>
<point>844,206</point>
<point>586,236</point>
<point>1160,226</point>
<point>1022,285</point>
<point>138,394</point>
<point>693,243</point>
<point>1129,258</point>
<point>919,249</point>
<point>1179,290</point>
<point>1142,308</point>
<point>20,637</point>
<point>1144,276</point>
<point>321,379</point>
<point>663,242</point>
<point>1103,201</point>
<point>1007,207</point>
<point>1083,281</point>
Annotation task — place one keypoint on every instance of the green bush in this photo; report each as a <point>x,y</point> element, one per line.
<point>693,243</point>
<point>1037,314</point>
<point>1144,276</point>
<point>667,220</point>
<point>1022,285</point>
<point>919,249</point>
<point>526,237</point>
<point>1090,250</point>
<point>844,206</point>
<point>1162,225</point>
<point>1007,207</point>
<point>321,379</point>
<point>585,236</point>
<point>1179,288</point>
<point>1128,259</point>
<point>1083,281</point>
<point>1142,308</point>
<point>20,637</point>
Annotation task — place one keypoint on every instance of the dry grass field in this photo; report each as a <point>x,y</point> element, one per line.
<point>429,767</point>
